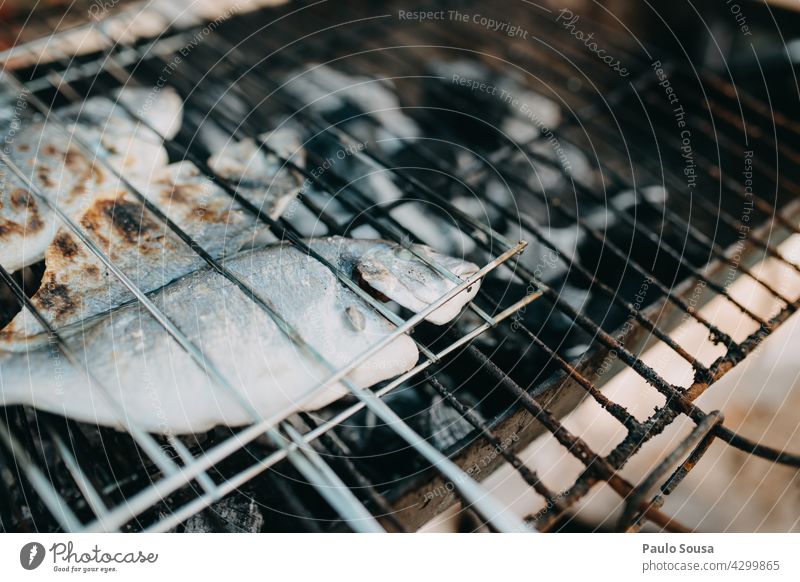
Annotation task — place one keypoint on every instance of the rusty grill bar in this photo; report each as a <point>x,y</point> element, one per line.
<point>239,60</point>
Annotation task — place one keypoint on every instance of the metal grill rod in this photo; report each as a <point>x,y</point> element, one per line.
<point>729,118</point>
<point>676,255</point>
<point>87,489</point>
<point>716,250</point>
<point>719,110</point>
<point>338,495</point>
<point>148,443</point>
<point>345,457</point>
<point>607,90</point>
<point>528,475</point>
<point>56,504</point>
<point>376,304</point>
<point>786,150</point>
<point>144,499</point>
<point>664,416</point>
<point>701,435</point>
<point>575,445</point>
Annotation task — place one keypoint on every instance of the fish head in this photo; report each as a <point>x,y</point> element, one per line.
<point>400,274</point>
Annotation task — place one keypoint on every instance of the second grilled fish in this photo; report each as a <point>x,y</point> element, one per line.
<point>163,390</point>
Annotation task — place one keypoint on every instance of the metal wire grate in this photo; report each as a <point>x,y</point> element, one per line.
<point>478,369</point>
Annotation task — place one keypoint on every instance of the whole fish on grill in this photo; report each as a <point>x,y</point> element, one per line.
<point>162,389</point>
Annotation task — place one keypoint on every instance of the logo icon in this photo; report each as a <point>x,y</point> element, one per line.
<point>31,555</point>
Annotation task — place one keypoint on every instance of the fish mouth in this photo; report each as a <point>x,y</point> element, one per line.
<point>453,306</point>
<point>465,270</point>
<point>399,276</point>
<point>364,285</point>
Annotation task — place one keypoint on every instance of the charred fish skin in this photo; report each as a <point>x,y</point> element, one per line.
<point>60,170</point>
<point>107,126</point>
<point>163,390</point>
<point>76,283</point>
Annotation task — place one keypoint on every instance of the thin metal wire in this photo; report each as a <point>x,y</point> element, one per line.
<point>344,457</point>
<point>56,504</point>
<point>636,498</point>
<point>90,493</point>
<point>343,500</point>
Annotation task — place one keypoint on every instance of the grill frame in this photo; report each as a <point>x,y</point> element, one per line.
<point>574,383</point>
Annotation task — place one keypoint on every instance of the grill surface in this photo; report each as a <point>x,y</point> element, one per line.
<point>631,205</point>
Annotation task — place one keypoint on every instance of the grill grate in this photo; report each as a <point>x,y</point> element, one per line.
<point>153,484</point>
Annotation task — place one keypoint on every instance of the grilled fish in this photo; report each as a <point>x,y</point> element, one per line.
<point>76,283</point>
<point>163,390</point>
<point>60,170</point>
